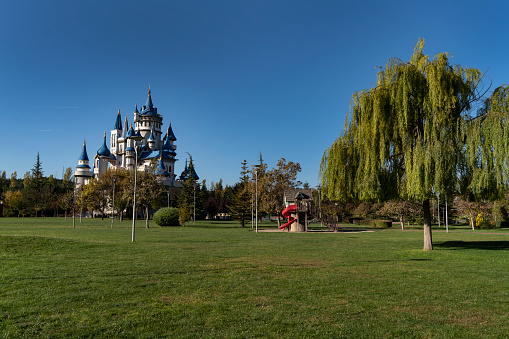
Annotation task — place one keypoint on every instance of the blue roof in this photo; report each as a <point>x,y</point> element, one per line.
<point>189,172</point>
<point>151,136</point>
<point>168,147</point>
<point>136,108</point>
<point>155,154</point>
<point>83,155</point>
<point>169,134</point>
<point>82,166</point>
<point>149,108</point>
<point>130,132</point>
<point>161,169</point>
<point>104,151</point>
<point>118,123</point>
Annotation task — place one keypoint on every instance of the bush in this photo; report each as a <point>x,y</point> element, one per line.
<point>503,224</point>
<point>167,216</point>
<point>381,223</point>
<point>485,225</point>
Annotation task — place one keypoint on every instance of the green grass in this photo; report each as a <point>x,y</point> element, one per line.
<point>218,280</point>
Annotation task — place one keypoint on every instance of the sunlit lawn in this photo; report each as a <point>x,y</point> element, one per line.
<point>216,279</point>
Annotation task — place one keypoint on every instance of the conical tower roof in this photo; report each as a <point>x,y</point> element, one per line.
<point>83,155</point>
<point>118,122</point>
<point>169,134</point>
<point>103,151</point>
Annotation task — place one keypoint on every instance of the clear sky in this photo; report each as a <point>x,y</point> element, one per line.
<point>235,78</point>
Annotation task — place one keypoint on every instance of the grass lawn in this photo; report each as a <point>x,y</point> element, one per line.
<point>216,279</point>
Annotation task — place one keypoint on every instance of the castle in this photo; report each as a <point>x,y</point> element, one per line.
<point>143,145</point>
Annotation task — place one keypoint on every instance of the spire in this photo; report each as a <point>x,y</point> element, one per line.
<point>83,155</point>
<point>104,151</point>
<point>151,136</point>
<point>130,132</point>
<point>169,134</point>
<point>118,123</point>
<point>148,104</point>
<point>161,169</point>
<point>136,108</point>
<point>124,133</point>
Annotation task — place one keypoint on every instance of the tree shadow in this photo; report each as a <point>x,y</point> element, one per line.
<point>478,245</point>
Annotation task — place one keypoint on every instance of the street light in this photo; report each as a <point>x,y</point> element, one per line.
<point>256,199</point>
<point>74,205</point>
<point>114,179</point>
<point>136,136</point>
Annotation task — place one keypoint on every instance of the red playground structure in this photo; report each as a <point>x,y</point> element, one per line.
<point>300,210</point>
<point>286,214</point>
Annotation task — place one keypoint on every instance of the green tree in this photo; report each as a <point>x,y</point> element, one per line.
<point>275,182</point>
<point>241,206</point>
<point>13,203</point>
<point>186,199</point>
<point>14,183</point>
<point>404,137</point>
<point>36,193</point>
<point>149,192</point>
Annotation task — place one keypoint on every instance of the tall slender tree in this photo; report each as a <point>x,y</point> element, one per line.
<point>404,138</point>
<point>241,207</point>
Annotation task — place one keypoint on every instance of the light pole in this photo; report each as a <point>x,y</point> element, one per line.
<point>81,207</point>
<point>136,136</point>
<point>256,199</point>
<point>194,202</point>
<point>74,205</point>
<point>114,179</point>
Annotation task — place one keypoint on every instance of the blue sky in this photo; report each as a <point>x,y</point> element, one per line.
<point>235,78</point>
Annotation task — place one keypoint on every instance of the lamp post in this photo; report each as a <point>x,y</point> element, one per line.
<point>136,136</point>
<point>74,205</point>
<point>114,179</point>
<point>81,207</point>
<point>256,199</point>
<point>194,202</point>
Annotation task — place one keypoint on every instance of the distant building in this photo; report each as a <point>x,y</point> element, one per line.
<point>152,149</point>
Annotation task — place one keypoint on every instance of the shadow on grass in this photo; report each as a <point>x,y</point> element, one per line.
<point>478,245</point>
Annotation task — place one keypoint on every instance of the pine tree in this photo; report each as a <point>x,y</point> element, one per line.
<point>241,207</point>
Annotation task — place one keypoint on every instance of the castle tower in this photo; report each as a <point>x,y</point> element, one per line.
<point>83,173</point>
<point>151,140</point>
<point>116,134</point>
<point>147,119</point>
<point>102,158</point>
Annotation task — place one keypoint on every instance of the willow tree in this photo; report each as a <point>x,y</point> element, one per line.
<point>488,145</point>
<point>404,138</point>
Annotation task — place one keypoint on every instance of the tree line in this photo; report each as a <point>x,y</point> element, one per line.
<point>36,195</point>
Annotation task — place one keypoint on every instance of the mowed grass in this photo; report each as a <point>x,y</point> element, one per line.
<point>218,280</point>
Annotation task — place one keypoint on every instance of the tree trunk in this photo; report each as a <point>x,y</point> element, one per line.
<point>146,217</point>
<point>401,222</point>
<point>472,221</point>
<point>428,243</point>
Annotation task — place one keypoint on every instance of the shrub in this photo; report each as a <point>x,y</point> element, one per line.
<point>485,224</point>
<point>503,224</point>
<point>167,216</point>
<point>381,223</point>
